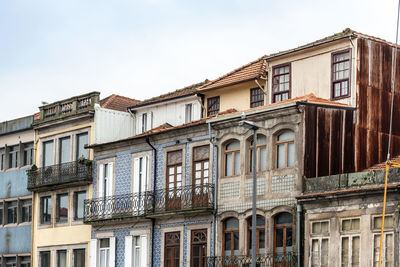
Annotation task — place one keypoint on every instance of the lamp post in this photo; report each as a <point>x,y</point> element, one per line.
<point>254,126</point>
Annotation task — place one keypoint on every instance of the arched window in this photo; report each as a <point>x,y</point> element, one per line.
<point>232,158</point>
<point>260,230</point>
<point>231,237</point>
<point>285,150</point>
<point>283,234</point>
<point>261,153</point>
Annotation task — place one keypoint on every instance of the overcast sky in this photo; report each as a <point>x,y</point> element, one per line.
<point>51,50</point>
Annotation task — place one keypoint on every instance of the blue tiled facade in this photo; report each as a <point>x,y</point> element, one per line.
<point>123,178</point>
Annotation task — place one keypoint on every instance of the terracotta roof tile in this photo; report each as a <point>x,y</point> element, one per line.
<point>252,70</point>
<point>382,165</point>
<point>188,90</point>
<point>36,116</point>
<point>118,102</point>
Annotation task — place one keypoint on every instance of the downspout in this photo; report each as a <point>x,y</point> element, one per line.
<point>298,234</point>
<point>153,221</point>
<point>214,143</point>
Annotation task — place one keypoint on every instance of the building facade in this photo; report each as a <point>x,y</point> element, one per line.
<point>16,156</point>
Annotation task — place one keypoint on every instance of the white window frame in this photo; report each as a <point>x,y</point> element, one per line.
<point>144,122</point>
<point>94,253</point>
<point>319,239</point>
<point>188,112</point>
<point>130,250</point>
<point>106,179</point>
<point>383,260</point>
<point>350,252</point>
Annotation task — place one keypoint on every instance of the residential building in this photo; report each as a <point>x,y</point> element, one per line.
<point>240,89</point>
<point>174,108</point>
<point>16,156</point>
<point>61,178</point>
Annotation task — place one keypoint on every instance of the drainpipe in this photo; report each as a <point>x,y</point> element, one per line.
<point>214,143</point>
<point>153,221</point>
<point>298,234</point>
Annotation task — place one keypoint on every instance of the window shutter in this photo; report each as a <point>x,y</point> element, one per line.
<point>101,181</point>
<point>136,175</point>
<point>128,251</point>
<point>110,179</point>
<point>144,174</point>
<point>112,252</point>
<point>93,252</point>
<point>150,120</point>
<point>143,251</point>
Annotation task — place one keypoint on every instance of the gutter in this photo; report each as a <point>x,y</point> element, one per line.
<point>214,222</point>
<point>153,221</point>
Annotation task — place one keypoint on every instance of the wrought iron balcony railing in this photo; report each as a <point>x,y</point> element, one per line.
<point>149,203</point>
<point>263,260</point>
<point>59,175</point>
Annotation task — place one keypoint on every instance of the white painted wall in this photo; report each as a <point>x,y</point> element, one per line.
<point>172,112</point>
<point>111,125</point>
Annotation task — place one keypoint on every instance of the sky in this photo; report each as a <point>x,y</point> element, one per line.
<point>52,50</point>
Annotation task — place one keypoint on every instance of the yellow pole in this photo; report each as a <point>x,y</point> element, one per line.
<point>383,212</point>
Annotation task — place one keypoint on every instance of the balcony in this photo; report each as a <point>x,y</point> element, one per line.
<point>263,260</point>
<point>59,176</point>
<point>68,107</point>
<point>150,204</point>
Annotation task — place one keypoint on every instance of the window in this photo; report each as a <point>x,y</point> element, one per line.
<point>285,150</point>
<point>256,97</point>
<point>139,249</point>
<point>144,122</point>
<point>201,156</point>
<point>283,233</point>
<point>188,113</point>
<point>25,261</point>
<point>261,154</point>
<point>79,257</point>
<point>104,252</point>
<point>61,258</point>
<point>232,158</point>
<point>231,237</point>
<point>28,154</point>
<point>377,222</point>
<point>45,210</point>
<point>198,255</point>
<point>174,179</point>
<point>44,259</point>
<point>260,235</point>
<point>48,153</point>
<point>212,105</point>
<point>341,74</point>
<point>140,174</point>
<point>350,242</point>
<point>281,83</point>
<point>13,156</point>
<point>65,150</point>
<point>12,208</point>
<point>62,208</point>
<point>26,209</point>
<point>387,250</point>
<point>106,179</point>
<point>1,213</point>
<point>79,198</point>
<point>172,249</point>
<point>319,244</point>
<point>82,141</point>
<point>11,262</point>
<point>2,159</point>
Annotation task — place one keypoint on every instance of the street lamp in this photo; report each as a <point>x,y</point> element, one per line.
<point>254,126</point>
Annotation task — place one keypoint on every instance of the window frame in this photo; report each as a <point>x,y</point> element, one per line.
<point>13,156</point>
<point>286,143</point>
<point>217,103</point>
<point>232,232</point>
<point>250,153</point>
<point>28,154</point>
<point>350,252</point>
<point>174,246</point>
<point>58,196</point>
<point>26,203</point>
<point>257,103</point>
<point>273,93</point>
<point>202,162</point>
<point>188,112</point>
<point>349,231</point>
<point>14,209</point>
<point>333,81</point>
<point>202,258</point>
<point>319,239</point>
<point>383,260</point>
<point>232,152</point>
<point>258,230</point>
<point>75,204</point>
<point>144,122</point>
<point>41,217</point>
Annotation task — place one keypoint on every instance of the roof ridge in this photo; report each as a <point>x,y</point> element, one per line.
<point>234,71</point>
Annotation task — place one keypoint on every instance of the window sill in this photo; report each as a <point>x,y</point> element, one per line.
<point>340,97</point>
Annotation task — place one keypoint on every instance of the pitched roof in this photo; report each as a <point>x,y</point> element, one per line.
<point>250,71</point>
<point>340,35</point>
<point>118,102</point>
<point>188,90</point>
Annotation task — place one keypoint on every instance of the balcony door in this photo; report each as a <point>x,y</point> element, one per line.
<point>106,183</point>
<point>283,239</point>
<point>174,180</point>
<point>139,185</point>
<point>172,249</point>
<point>200,178</point>
<point>198,254</point>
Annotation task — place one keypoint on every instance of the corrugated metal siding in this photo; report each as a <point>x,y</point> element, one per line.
<point>111,125</point>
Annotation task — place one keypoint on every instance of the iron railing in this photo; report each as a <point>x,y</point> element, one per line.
<point>263,260</point>
<point>149,203</point>
<point>60,174</point>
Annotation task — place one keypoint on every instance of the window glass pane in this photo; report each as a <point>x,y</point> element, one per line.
<point>48,153</point>
<point>45,207</point>
<point>324,252</point>
<point>355,224</point>
<point>65,150</point>
<point>12,212</point>
<point>378,222</point>
<point>376,249</point>
<point>355,257</point>
<point>1,213</point>
<point>28,154</point>
<point>104,243</point>
<point>281,156</point>
<point>284,218</point>
<point>290,156</point>
<point>237,163</point>
<point>316,228</point>
<point>345,252</point>
<point>61,258</point>
<point>45,259</point>
<point>82,140</point>
<point>233,145</point>
<point>228,164</point>
<point>389,250</point>
<point>236,243</point>
<point>13,156</point>
<point>79,257</point>
<point>325,227</point>
<point>232,223</point>
<point>263,158</point>
<point>26,210</point>
<point>25,261</point>
<point>79,204</point>
<point>228,243</point>
<point>314,253</point>
<point>279,237</point>
<point>62,208</point>
<point>288,135</point>
<point>11,262</point>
